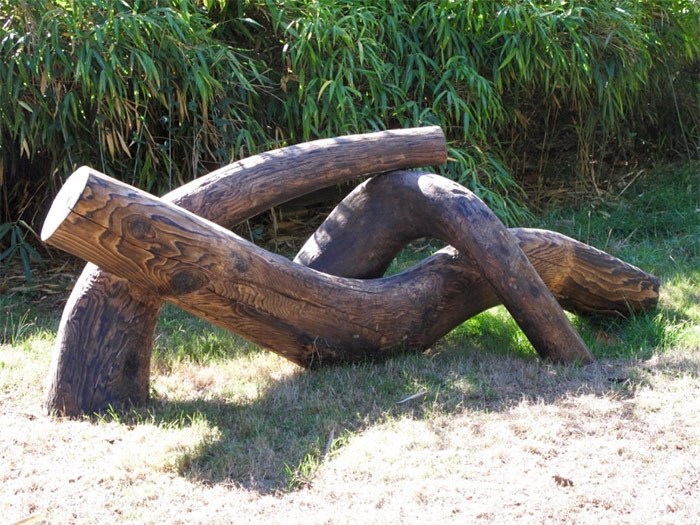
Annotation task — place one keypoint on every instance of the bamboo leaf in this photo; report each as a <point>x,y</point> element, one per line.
<point>110,143</point>
<point>26,262</point>
<point>323,88</point>
<point>5,227</point>
<point>8,253</point>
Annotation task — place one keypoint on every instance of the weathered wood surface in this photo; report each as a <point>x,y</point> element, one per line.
<point>103,346</point>
<point>308,317</point>
<point>103,352</point>
<point>360,240</point>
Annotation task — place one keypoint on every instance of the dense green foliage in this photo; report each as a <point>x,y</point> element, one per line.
<point>507,81</point>
<point>157,92</point>
<point>135,90</point>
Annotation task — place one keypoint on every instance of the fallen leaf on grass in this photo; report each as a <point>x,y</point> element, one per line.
<point>563,482</point>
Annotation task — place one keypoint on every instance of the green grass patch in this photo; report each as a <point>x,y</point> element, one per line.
<point>181,337</point>
<point>654,224</point>
<point>23,316</point>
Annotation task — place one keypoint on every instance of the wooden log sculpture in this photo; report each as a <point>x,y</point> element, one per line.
<point>331,304</point>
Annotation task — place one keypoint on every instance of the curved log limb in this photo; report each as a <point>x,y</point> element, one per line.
<point>585,280</point>
<point>94,367</point>
<point>425,211</point>
<point>360,240</point>
<point>307,316</point>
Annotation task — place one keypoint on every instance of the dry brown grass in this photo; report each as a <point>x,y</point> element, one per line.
<point>616,442</point>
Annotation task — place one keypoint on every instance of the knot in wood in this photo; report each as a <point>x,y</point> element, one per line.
<point>240,264</point>
<point>186,281</point>
<point>139,228</point>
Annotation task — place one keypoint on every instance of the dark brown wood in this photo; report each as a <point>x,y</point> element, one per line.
<point>103,346</point>
<point>360,240</point>
<point>103,351</point>
<point>585,280</point>
<point>308,317</point>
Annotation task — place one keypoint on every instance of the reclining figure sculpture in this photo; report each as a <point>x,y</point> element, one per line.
<point>332,303</point>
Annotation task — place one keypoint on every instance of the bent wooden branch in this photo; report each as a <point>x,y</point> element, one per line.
<point>360,239</point>
<point>103,347</point>
<point>308,317</point>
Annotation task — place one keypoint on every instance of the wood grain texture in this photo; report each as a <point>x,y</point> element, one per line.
<point>360,240</point>
<point>104,344</point>
<point>127,325</point>
<point>93,368</point>
<point>309,317</point>
<point>428,206</point>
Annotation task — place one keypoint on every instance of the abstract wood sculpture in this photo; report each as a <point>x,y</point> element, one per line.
<point>331,304</point>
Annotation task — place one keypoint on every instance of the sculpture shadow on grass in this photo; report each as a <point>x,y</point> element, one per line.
<point>275,441</point>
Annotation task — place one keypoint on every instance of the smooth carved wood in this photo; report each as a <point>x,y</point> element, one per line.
<point>583,279</point>
<point>104,342</point>
<point>308,317</point>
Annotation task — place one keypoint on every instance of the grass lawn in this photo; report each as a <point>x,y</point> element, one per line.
<point>478,429</point>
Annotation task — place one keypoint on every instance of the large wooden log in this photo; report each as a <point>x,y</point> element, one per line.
<point>103,349</point>
<point>104,342</point>
<point>308,317</point>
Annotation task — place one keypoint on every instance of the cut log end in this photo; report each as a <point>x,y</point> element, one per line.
<point>65,201</point>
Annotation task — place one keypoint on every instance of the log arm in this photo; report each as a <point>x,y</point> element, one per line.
<point>360,240</point>
<point>103,347</point>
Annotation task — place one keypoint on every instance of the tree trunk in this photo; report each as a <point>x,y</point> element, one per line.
<point>104,342</point>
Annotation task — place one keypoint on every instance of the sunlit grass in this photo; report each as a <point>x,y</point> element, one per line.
<point>23,370</point>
